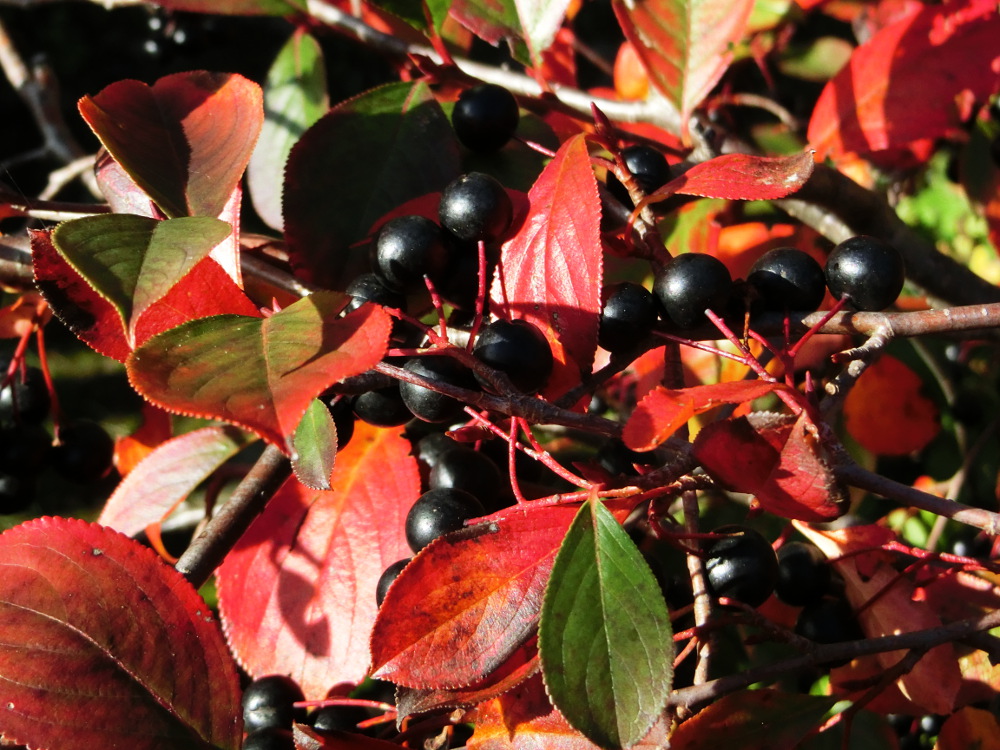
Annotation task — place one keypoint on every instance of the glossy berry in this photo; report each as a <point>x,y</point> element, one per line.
<point>787,278</point>
<point>27,400</point>
<point>647,165</point>
<point>741,565</point>
<point>867,271</point>
<point>830,620</point>
<point>369,287</point>
<point>517,348</point>
<point>84,451</point>
<point>339,718</point>
<point>430,448</point>
<point>475,207</point>
<point>388,577</point>
<point>269,738</point>
<point>485,117</point>
<point>803,574</point>
<point>466,469</point>
<point>342,411</point>
<point>628,315</point>
<point>439,512</point>
<point>267,703</point>
<point>16,494</point>
<point>409,248</point>
<point>429,405</point>
<point>690,284</point>
<point>382,407</point>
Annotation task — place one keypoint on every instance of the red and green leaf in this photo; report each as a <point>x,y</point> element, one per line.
<point>906,82</point>
<point>314,447</point>
<point>550,272</point>
<point>102,644</point>
<point>133,261</point>
<point>297,594</point>
<point>185,140</point>
<point>743,177</point>
<point>603,601</point>
<point>357,163</point>
<point>259,373</point>
<point>685,45</point>
<point>167,475</point>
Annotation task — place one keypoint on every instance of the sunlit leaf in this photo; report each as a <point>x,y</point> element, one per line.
<point>605,638</point>
<point>185,140</point>
<point>260,373</point>
<point>970,727</point>
<point>297,594</point>
<point>103,645</point>
<point>540,20</point>
<point>294,98</point>
<point>168,475</point>
<point>314,447</point>
<point>743,177</point>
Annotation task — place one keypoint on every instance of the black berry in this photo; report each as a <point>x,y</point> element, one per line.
<point>830,620</point>
<point>787,278</point>
<point>485,117</point>
<point>369,287</point>
<point>339,718</point>
<point>24,449</point>
<point>475,207</point>
<point>84,452</point>
<point>867,271</point>
<point>16,494</point>
<point>427,404</point>
<point>466,469</point>
<point>628,316</point>
<point>269,738</point>
<point>741,565</point>
<point>517,348</point>
<point>803,574</point>
<point>388,577</point>
<point>647,165</point>
<point>25,400</point>
<point>690,284</point>
<point>342,411</point>
<point>409,248</point>
<point>617,459</point>
<point>438,512</point>
<point>382,407</point>
<point>267,703</point>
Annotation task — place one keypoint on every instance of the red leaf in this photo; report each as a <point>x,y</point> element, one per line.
<point>685,45</point>
<point>550,272</point>
<point>743,177</point>
<point>970,727</point>
<point>297,594</point>
<point>156,428</point>
<point>186,140</point>
<point>887,412</point>
<point>780,461</point>
<point>307,738</point>
<point>904,83</point>
<point>934,682</point>
<point>468,600</point>
<point>167,476</point>
<point>105,646</point>
<point>204,292</point>
<point>664,411</point>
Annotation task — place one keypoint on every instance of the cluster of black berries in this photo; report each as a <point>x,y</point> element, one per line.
<point>83,454</point>
<point>916,732</point>
<point>269,712</point>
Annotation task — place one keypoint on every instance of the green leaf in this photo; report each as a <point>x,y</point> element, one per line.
<point>314,447</point>
<point>260,373</point>
<point>605,638</point>
<point>410,11</point>
<point>133,261</point>
<point>238,7</point>
<point>540,20</point>
<point>439,12</point>
<point>295,96</point>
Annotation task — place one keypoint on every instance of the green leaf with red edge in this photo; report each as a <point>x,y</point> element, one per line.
<point>168,475</point>
<point>133,261</point>
<point>314,447</point>
<point>297,593</point>
<point>103,645</point>
<point>742,177</point>
<point>685,45</point>
<point>520,666</point>
<point>762,719</point>
<point>259,373</point>
<point>524,719</point>
<point>550,271</point>
<point>468,600</point>
<point>540,20</point>
<point>185,140</point>
<point>237,7</point>
<point>886,604</point>
<point>779,459</point>
<point>358,162</point>
<point>605,639</point>
<point>206,290</point>
<point>908,81</point>
<point>295,97</point>
<point>663,411</point>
